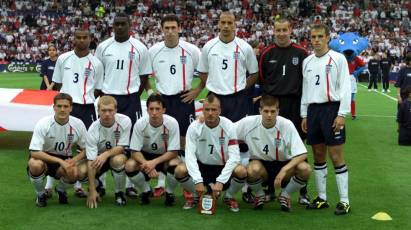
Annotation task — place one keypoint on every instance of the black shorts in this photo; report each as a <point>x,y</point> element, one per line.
<point>106,166</point>
<point>210,174</point>
<point>320,118</point>
<point>129,105</point>
<point>273,168</point>
<point>234,106</point>
<point>404,136</point>
<point>52,167</point>
<point>184,113</point>
<point>85,112</point>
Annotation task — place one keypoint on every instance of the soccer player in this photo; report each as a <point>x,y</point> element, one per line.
<point>154,145</point>
<point>106,139</point>
<point>78,73</point>
<point>126,68</point>
<point>50,150</point>
<point>324,104</point>
<point>224,63</point>
<point>47,68</point>
<point>281,76</point>
<point>212,157</point>
<point>277,153</point>
<point>174,62</point>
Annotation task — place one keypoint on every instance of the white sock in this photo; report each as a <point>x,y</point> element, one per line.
<point>294,185</point>
<point>235,185</point>
<point>161,181</point>
<point>38,183</point>
<point>257,187</point>
<point>139,180</point>
<point>129,184</point>
<point>119,179</point>
<point>171,183</point>
<point>49,183</point>
<point>77,185</point>
<point>62,185</point>
<point>188,184</point>
<point>102,178</point>
<point>341,176</point>
<point>320,171</point>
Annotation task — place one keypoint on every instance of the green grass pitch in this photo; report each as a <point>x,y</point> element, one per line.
<point>378,175</point>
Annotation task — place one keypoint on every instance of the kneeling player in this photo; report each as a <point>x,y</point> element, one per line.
<point>277,153</point>
<point>50,150</point>
<point>106,139</point>
<point>212,157</point>
<point>154,145</point>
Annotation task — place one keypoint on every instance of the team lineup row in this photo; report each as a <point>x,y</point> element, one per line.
<point>313,93</point>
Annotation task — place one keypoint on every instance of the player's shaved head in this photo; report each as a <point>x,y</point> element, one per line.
<point>106,100</point>
<point>227,14</point>
<point>211,98</point>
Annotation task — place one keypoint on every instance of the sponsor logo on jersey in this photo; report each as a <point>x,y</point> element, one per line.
<point>161,61</point>
<point>51,68</point>
<point>183,59</point>
<point>214,55</point>
<point>255,138</point>
<point>202,140</point>
<point>328,69</point>
<point>236,55</point>
<point>108,55</point>
<point>272,61</point>
<point>295,60</point>
<point>66,68</point>
<point>148,137</point>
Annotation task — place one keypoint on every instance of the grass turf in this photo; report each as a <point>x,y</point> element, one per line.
<point>378,182</point>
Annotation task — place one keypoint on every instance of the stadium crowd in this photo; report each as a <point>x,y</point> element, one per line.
<point>27,27</point>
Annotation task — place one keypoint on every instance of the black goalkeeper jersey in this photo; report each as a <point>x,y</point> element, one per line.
<point>280,70</point>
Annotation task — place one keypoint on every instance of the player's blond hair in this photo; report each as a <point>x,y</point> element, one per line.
<point>107,100</point>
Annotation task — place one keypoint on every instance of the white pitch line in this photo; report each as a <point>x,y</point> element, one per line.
<point>392,98</point>
<point>381,116</point>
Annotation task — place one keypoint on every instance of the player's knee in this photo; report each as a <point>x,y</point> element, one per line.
<point>240,172</point>
<point>130,166</point>
<point>180,171</point>
<point>254,170</point>
<point>118,161</point>
<point>36,167</point>
<point>304,169</point>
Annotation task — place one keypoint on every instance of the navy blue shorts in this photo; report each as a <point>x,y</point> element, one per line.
<point>52,167</point>
<point>273,168</point>
<point>85,112</point>
<point>129,105</point>
<point>404,136</point>
<point>210,174</point>
<point>184,113</point>
<point>320,118</point>
<point>234,106</point>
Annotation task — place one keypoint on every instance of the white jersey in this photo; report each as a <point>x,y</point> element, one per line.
<point>212,146</point>
<point>51,137</point>
<point>155,140</point>
<point>101,138</point>
<point>227,65</point>
<point>124,63</point>
<point>79,76</point>
<point>279,143</point>
<point>326,79</point>
<point>174,68</point>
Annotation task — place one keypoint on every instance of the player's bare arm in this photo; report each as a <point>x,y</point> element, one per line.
<point>251,80</point>
<point>339,123</point>
<point>288,168</point>
<point>93,196</point>
<point>102,158</point>
<point>191,95</point>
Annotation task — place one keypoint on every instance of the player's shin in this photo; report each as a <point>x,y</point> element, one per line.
<point>320,172</point>
<point>294,185</point>
<point>341,175</point>
<point>38,183</point>
<point>119,176</point>
<point>139,180</point>
<point>235,185</point>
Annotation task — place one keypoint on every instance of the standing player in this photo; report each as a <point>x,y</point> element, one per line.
<point>324,104</point>
<point>106,140</point>
<point>277,153</point>
<point>126,68</point>
<point>174,62</point>
<point>212,157</point>
<point>280,74</point>
<point>385,72</point>
<point>47,68</point>
<point>50,150</point>
<point>154,144</point>
<point>78,73</point>
<point>223,65</point>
